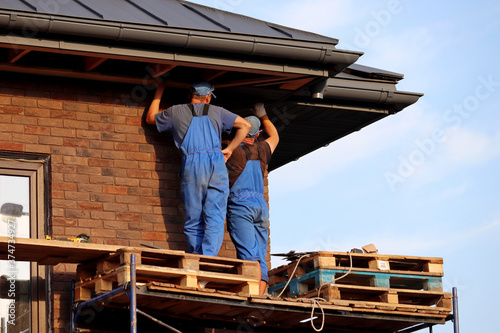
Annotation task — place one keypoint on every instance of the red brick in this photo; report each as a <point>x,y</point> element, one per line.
<point>111,119</point>
<point>63,186</point>
<point>116,241</point>
<point>84,152</point>
<point>85,134</point>
<point>24,138</point>
<point>103,180</point>
<point>37,112</point>
<point>22,101</point>
<point>100,163</point>
<point>128,217</point>
<point>94,224</point>
<point>11,146</point>
<point>139,174</point>
<point>101,109</point>
<point>81,125</point>
<point>49,104</point>
<point>81,107</point>
<point>138,156</point>
<point>36,148</point>
<point>11,109</point>
<point>114,190</point>
<point>128,234</point>
<point>135,121</point>
<point>69,133</point>
<point>11,128</point>
<point>157,236</point>
<point>76,142</point>
<point>126,146</point>
<point>115,207</point>
<point>90,205</point>
<point>114,155</point>
<point>126,182</point>
<point>66,151</point>
<point>118,225</point>
<point>5,100</point>
<point>126,164</point>
<point>127,129</point>
<point>141,226</point>
<point>101,215</point>
<point>106,233</point>
<point>70,204</point>
<point>87,170</point>
<point>107,136</point>
<point>50,122</point>
<point>39,130</point>
<point>101,145</point>
<point>22,119</point>
<point>79,196</point>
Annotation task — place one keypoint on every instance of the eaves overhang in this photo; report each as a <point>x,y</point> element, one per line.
<point>213,41</point>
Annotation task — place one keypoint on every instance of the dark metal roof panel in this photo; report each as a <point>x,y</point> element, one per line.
<point>172,13</point>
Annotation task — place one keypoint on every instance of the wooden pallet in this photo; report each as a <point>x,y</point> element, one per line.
<point>390,299</point>
<point>175,267</point>
<point>300,285</point>
<point>360,262</point>
<point>385,282</point>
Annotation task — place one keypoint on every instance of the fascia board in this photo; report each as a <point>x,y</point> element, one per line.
<point>134,54</point>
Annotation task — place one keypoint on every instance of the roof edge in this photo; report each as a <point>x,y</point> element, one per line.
<point>297,50</point>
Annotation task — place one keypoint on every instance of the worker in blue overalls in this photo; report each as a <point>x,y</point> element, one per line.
<point>247,211</point>
<point>196,128</point>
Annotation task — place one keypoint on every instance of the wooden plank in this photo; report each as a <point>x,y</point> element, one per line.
<point>36,250</point>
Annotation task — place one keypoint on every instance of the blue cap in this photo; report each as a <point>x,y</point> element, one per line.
<point>202,88</point>
<point>255,122</point>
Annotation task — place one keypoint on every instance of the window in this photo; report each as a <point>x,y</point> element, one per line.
<point>23,214</point>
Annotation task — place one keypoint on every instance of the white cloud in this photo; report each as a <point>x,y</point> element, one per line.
<point>467,147</point>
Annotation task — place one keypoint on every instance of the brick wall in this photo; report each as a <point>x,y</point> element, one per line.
<point>112,176</point>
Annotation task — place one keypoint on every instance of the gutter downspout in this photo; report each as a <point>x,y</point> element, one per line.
<point>299,50</point>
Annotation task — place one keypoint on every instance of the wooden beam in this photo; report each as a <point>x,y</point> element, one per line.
<point>87,75</point>
<point>91,63</point>
<point>209,75</point>
<point>157,70</point>
<point>296,84</point>
<point>16,54</point>
<point>252,82</point>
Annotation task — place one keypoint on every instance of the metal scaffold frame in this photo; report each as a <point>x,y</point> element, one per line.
<point>129,288</point>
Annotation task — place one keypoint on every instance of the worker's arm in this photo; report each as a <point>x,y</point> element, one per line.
<point>154,108</point>
<point>242,128</point>
<point>272,132</point>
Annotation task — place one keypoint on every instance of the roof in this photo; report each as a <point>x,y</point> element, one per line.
<point>181,14</point>
<point>315,93</point>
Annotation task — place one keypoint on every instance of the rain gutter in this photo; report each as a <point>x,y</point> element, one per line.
<point>369,92</point>
<point>297,50</point>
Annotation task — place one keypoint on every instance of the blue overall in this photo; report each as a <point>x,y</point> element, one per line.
<point>248,215</point>
<point>204,186</point>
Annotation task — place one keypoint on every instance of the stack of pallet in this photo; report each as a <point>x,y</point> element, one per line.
<point>169,268</point>
<point>366,281</point>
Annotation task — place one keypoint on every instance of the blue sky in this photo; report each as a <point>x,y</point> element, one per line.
<point>424,182</point>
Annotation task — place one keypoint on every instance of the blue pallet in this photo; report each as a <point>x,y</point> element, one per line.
<point>301,285</point>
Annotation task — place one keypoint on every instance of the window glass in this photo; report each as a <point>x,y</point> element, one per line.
<point>15,299</point>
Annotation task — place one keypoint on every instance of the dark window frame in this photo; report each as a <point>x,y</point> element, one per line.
<point>37,168</point>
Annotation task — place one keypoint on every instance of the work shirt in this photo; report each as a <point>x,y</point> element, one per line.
<point>238,160</point>
<point>177,118</point>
